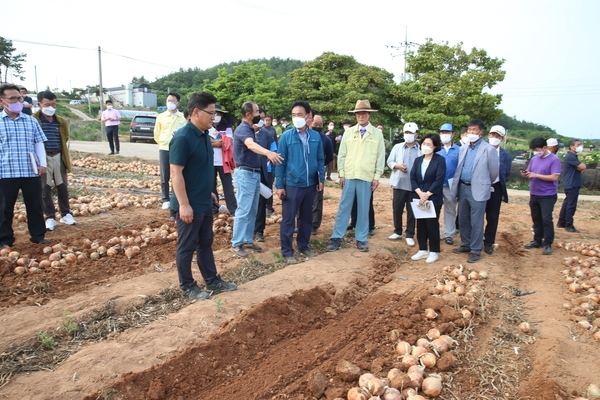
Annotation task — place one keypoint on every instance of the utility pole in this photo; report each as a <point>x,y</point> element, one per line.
<point>36,85</point>
<point>404,46</point>
<point>100,89</point>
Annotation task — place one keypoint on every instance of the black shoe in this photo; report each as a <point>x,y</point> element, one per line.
<point>473,258</point>
<point>334,244</point>
<point>329,178</point>
<point>196,293</point>
<point>350,227</point>
<point>559,225</point>
<point>239,251</point>
<point>252,246</point>
<point>449,241</point>
<point>111,153</point>
<point>270,212</point>
<point>362,246</point>
<point>547,250</point>
<point>259,237</point>
<point>309,253</point>
<point>461,250</point>
<point>41,241</point>
<point>488,248</point>
<point>313,231</point>
<point>533,245</point>
<point>116,152</point>
<point>571,229</point>
<point>219,285</point>
<point>371,232</point>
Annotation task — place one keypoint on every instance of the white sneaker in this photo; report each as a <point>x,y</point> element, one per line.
<point>50,224</point>
<point>394,236</point>
<point>420,255</point>
<point>433,257</point>
<point>166,205</point>
<point>68,219</point>
<point>410,242</point>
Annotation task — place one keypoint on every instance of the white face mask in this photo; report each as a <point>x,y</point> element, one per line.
<point>426,149</point>
<point>330,127</point>
<point>538,153</point>
<point>274,123</point>
<point>346,127</point>
<point>217,119</point>
<point>260,124</point>
<point>445,137</point>
<point>578,149</point>
<point>109,107</point>
<point>299,122</point>
<point>494,141</point>
<point>49,111</point>
<point>471,137</point>
<point>171,106</point>
<point>409,137</point>
<point>464,139</point>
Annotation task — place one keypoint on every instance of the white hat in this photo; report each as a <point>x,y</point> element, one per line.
<point>499,129</point>
<point>551,142</point>
<point>410,127</point>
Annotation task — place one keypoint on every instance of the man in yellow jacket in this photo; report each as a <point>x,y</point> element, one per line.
<point>58,160</point>
<point>361,159</point>
<point>166,125</point>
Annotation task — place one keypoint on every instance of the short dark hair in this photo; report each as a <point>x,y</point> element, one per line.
<point>302,103</point>
<point>108,101</point>
<point>435,138</point>
<point>464,130</point>
<point>478,123</point>
<point>24,88</point>
<point>8,86</point>
<point>247,107</point>
<point>200,100</point>
<point>573,141</point>
<point>176,95</point>
<point>537,143</point>
<point>268,116</point>
<point>261,110</point>
<point>186,113</point>
<point>46,94</point>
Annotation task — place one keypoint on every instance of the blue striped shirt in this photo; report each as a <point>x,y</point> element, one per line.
<point>52,132</point>
<point>17,139</point>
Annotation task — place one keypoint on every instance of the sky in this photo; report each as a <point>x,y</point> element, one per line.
<point>550,47</point>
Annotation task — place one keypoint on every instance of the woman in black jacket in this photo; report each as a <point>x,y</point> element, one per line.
<point>427,178</point>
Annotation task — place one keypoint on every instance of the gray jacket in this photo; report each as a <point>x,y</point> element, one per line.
<point>485,171</point>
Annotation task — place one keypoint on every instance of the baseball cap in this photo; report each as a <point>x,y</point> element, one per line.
<point>447,127</point>
<point>552,142</point>
<point>499,129</point>
<point>410,127</point>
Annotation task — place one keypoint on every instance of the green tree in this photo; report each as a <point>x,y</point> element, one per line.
<point>8,60</point>
<point>138,81</point>
<point>247,82</point>
<point>448,85</point>
<point>332,84</point>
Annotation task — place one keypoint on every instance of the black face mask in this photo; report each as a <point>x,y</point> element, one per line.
<point>256,120</point>
<point>318,129</point>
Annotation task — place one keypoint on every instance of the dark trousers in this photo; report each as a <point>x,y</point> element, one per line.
<point>569,206</point>
<point>195,237</point>
<point>428,230</point>
<point>317,209</point>
<point>492,215</point>
<point>354,213</point>
<point>112,134</point>
<point>32,197</point>
<point>299,200</point>
<point>165,173</point>
<point>401,200</point>
<point>63,201</point>
<point>472,213</point>
<point>541,214</point>
<point>261,216</point>
<point>227,183</point>
<point>270,199</point>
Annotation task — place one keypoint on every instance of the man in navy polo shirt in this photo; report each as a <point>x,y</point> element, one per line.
<point>191,159</point>
<point>246,153</point>
<point>571,180</point>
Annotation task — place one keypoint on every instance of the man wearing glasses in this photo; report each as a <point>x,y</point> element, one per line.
<point>191,159</point>
<point>22,161</point>
<point>246,153</point>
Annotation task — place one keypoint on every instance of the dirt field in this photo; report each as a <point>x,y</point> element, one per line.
<point>118,327</point>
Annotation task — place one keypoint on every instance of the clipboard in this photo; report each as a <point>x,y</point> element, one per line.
<point>420,213</point>
<point>34,163</point>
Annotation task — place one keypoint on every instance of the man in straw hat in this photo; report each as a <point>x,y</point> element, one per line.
<point>361,160</point>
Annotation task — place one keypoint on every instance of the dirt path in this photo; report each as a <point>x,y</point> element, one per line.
<point>81,114</point>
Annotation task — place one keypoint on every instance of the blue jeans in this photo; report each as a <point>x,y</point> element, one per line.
<point>362,191</point>
<point>247,185</point>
